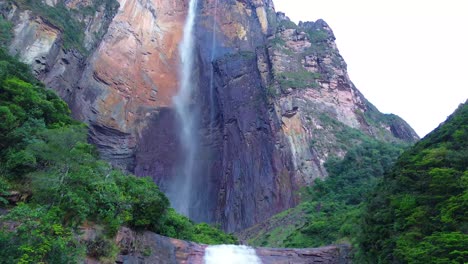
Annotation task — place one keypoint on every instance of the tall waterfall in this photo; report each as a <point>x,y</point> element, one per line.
<point>180,193</point>
<point>230,254</point>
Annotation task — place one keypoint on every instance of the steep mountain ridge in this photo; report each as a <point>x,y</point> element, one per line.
<point>272,96</point>
<point>418,212</point>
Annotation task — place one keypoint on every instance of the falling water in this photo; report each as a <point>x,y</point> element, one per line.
<point>230,254</point>
<point>180,192</point>
<point>213,54</point>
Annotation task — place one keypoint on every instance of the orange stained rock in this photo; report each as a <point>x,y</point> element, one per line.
<point>138,59</point>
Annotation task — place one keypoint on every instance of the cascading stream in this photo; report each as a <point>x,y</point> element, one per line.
<point>180,191</point>
<point>230,254</point>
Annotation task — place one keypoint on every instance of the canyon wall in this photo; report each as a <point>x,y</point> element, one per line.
<point>274,98</point>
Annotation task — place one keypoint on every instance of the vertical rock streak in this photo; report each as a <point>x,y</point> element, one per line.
<point>213,54</point>
<point>180,192</point>
<point>277,96</point>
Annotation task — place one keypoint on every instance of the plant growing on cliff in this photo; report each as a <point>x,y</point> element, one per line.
<point>60,17</point>
<point>44,154</point>
<point>38,237</point>
<point>277,42</point>
<point>69,20</point>
<point>272,91</point>
<point>300,79</point>
<point>334,205</point>
<point>330,210</point>
<point>287,24</point>
<point>5,31</point>
<point>317,36</point>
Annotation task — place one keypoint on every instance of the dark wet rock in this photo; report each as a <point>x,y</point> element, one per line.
<point>266,92</point>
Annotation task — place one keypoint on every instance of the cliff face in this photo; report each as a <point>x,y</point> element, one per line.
<point>271,96</point>
<point>312,95</point>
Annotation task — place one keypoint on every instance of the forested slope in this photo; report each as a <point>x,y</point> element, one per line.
<point>52,183</point>
<point>419,212</point>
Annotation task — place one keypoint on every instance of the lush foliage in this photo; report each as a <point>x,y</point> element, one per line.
<point>38,237</point>
<point>25,109</point>
<point>419,213</point>
<point>179,226</point>
<point>45,156</point>
<point>331,208</point>
<point>207,234</point>
<point>333,205</point>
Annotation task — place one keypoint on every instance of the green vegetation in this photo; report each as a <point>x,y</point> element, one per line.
<point>207,234</point>
<point>301,79</point>
<point>287,24</point>
<point>68,20</point>
<point>277,42</point>
<point>330,209</point>
<point>334,205</point>
<point>44,155</point>
<point>5,31</point>
<point>419,213</point>
<point>414,211</point>
<point>272,91</point>
<point>110,7</point>
<point>345,136</point>
<point>38,238</point>
<point>316,36</point>
<point>60,17</point>
<point>319,38</point>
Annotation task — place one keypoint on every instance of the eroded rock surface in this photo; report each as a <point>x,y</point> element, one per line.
<point>273,99</point>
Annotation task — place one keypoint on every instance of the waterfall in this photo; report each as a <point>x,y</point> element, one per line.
<point>230,254</point>
<point>180,191</point>
<point>213,54</point>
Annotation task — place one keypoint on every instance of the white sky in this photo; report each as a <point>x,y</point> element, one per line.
<point>408,57</point>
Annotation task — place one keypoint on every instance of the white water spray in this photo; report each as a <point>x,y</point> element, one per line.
<point>180,192</point>
<point>231,254</point>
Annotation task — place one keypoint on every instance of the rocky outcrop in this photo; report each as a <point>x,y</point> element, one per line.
<point>39,39</point>
<point>273,99</point>
<point>131,77</point>
<point>315,99</point>
<point>152,248</point>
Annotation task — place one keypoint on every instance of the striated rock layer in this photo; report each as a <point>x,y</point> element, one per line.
<point>273,98</point>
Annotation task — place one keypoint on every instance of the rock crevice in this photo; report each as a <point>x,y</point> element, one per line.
<point>273,97</point>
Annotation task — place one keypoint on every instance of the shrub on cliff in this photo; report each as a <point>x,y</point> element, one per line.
<point>69,21</point>
<point>44,154</point>
<point>38,237</point>
<point>334,205</point>
<point>5,31</point>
